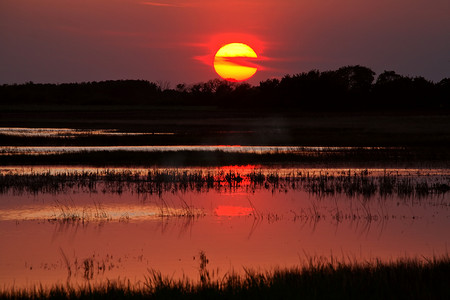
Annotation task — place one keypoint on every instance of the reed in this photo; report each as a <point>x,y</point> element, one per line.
<point>68,212</point>
<point>319,278</point>
<point>350,183</point>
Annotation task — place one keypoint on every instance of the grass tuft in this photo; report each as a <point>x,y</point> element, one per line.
<point>320,279</point>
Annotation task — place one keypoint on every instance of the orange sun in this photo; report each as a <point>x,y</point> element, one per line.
<point>231,62</point>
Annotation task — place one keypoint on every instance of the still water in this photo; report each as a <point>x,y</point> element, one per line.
<point>107,226</point>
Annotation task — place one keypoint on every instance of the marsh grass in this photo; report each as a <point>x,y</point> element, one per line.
<point>88,267</point>
<point>319,278</point>
<point>68,212</point>
<point>185,211</point>
<point>321,183</point>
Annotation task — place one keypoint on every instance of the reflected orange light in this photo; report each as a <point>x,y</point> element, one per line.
<point>232,211</point>
<point>232,62</point>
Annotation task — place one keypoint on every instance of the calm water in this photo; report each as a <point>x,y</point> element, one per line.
<point>109,229</point>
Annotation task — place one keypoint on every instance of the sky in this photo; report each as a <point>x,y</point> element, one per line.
<point>174,41</point>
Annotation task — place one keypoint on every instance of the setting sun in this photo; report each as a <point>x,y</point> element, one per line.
<point>231,62</point>
<point>162,149</point>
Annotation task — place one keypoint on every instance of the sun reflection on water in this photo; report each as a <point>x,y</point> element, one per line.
<point>111,228</point>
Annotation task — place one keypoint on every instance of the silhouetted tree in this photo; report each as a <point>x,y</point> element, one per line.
<point>348,88</point>
<point>402,92</point>
<point>359,79</point>
<point>443,93</point>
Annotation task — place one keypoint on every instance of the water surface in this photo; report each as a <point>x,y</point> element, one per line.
<point>100,229</point>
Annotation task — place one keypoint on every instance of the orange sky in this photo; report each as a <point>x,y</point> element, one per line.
<point>73,41</point>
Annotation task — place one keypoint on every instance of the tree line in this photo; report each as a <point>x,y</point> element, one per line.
<point>347,88</point>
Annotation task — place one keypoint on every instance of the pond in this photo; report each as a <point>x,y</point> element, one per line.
<point>81,224</point>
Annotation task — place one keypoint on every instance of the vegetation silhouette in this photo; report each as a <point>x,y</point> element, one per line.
<point>348,88</point>
<point>320,278</point>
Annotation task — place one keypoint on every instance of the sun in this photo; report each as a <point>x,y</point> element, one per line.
<point>232,62</point>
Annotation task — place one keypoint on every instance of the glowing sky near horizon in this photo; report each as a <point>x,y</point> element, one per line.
<point>175,41</point>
